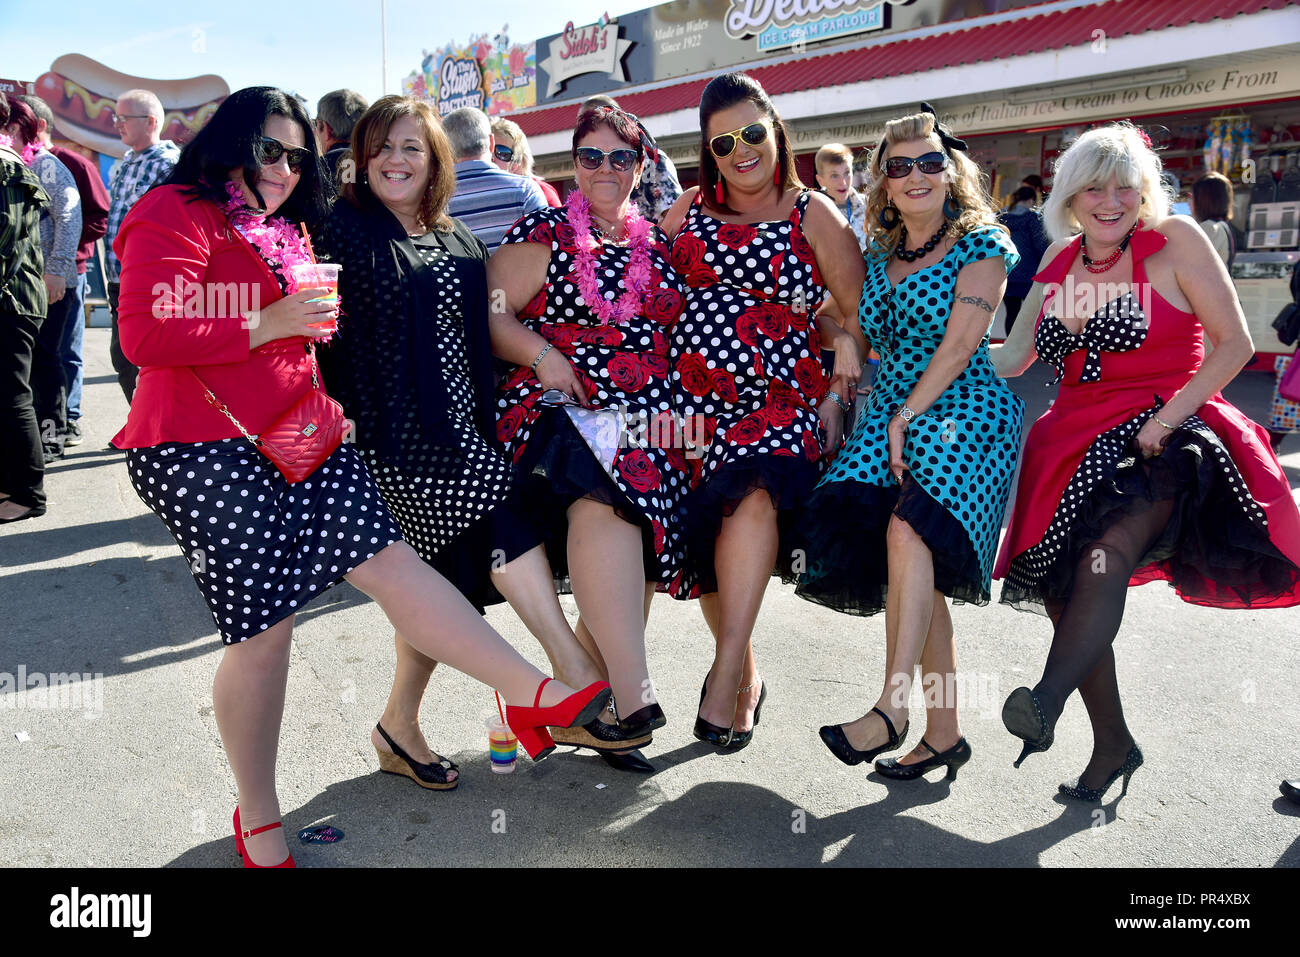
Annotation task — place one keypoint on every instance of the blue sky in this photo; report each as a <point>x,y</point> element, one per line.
<point>308,46</point>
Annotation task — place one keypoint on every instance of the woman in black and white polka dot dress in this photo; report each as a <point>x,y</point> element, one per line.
<point>412,367</point>
<point>259,546</point>
<point>609,500</point>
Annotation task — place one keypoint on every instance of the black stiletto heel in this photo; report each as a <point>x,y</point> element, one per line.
<point>1132,761</point>
<point>952,759</point>
<point>1024,718</point>
<point>833,737</point>
<point>710,733</point>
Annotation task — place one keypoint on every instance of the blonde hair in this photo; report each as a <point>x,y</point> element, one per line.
<point>968,184</point>
<point>1116,150</point>
<point>523,161</point>
<point>833,153</point>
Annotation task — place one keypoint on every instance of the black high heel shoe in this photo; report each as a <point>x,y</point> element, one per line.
<point>953,758</point>
<point>832,736</point>
<point>1024,718</point>
<point>741,739</point>
<point>651,714</point>
<point>633,761</point>
<point>1132,761</point>
<point>710,733</point>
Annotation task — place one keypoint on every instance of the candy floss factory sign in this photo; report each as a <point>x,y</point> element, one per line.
<point>591,49</point>
<point>783,23</point>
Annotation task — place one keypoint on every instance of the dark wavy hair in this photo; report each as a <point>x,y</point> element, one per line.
<point>368,139</point>
<point>229,141</point>
<point>726,91</point>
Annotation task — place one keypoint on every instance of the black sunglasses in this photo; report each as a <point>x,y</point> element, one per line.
<point>504,153</point>
<point>269,150</point>
<point>753,134</point>
<point>619,160</point>
<point>896,167</point>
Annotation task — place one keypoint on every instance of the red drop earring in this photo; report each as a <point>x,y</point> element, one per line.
<point>717,192</point>
<point>776,177</point>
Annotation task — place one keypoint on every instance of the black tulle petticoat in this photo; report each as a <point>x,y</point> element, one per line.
<point>789,480</point>
<point>846,561</point>
<point>1215,550</point>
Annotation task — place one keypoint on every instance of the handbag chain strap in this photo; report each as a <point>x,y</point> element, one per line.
<point>225,410</point>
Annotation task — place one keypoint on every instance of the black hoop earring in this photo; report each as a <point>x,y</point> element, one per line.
<point>890,218</point>
<point>950,209</point>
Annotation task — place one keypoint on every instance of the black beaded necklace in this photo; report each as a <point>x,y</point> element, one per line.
<point>911,255</point>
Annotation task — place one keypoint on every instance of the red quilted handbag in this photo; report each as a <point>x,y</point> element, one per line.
<point>304,436</point>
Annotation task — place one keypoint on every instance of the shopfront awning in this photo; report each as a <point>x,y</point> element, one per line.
<point>1054,30</point>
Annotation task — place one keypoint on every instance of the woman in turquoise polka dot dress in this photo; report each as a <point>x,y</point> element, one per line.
<point>915,499</point>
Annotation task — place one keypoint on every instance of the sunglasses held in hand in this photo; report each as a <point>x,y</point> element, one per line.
<point>753,134</point>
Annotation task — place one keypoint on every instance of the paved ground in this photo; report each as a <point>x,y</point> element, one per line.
<point>136,776</point>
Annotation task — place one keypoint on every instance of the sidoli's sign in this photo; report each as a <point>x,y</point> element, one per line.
<point>595,48</point>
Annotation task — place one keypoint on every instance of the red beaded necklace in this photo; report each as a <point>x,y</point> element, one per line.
<point>1101,265</point>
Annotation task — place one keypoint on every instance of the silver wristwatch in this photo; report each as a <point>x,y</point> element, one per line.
<point>906,414</point>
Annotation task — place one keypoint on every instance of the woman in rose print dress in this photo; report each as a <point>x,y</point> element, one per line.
<point>758,253</point>
<point>610,498</point>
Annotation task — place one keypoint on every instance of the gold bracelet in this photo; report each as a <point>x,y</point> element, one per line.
<point>1162,422</point>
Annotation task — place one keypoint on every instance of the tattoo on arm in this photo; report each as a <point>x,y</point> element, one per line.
<point>976,301</point>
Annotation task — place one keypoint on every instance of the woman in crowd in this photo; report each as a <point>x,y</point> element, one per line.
<point>758,253</point>
<point>60,234</point>
<point>909,513</point>
<point>1140,470</point>
<point>1025,224</point>
<point>1212,209</point>
<point>510,152</point>
<point>586,413</point>
<point>260,546</point>
<point>412,366</point>
<point>23,300</point>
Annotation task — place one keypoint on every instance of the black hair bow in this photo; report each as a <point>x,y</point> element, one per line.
<point>949,141</point>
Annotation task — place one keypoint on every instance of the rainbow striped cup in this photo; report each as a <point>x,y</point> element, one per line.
<point>503,746</point>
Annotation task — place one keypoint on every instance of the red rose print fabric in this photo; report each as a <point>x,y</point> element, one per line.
<point>746,366</point>
<point>619,366</point>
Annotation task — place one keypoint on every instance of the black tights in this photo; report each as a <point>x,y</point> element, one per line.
<point>1086,624</point>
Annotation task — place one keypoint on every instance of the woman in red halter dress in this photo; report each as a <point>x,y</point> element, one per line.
<point>1140,470</point>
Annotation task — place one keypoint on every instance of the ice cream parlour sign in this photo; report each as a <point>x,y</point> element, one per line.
<point>595,48</point>
<point>783,23</point>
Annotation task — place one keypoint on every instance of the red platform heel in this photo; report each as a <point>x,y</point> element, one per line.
<point>240,834</point>
<point>530,724</point>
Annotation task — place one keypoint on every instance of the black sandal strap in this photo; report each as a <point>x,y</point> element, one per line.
<point>889,725</point>
<point>397,750</point>
<point>926,744</point>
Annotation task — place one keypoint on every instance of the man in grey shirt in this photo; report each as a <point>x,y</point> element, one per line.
<point>488,199</point>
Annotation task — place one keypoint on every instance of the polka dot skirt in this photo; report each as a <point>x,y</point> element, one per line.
<point>620,367</point>
<point>434,508</point>
<point>259,547</point>
<point>963,450</point>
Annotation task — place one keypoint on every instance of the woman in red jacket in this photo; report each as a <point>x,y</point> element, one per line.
<point>203,308</point>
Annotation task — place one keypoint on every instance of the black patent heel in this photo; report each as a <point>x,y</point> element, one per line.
<point>837,743</point>
<point>1024,718</point>
<point>709,733</point>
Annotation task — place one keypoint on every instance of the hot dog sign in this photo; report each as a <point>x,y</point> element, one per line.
<point>82,95</point>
